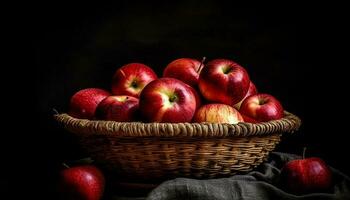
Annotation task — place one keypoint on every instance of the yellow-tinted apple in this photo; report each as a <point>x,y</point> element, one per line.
<point>217,113</point>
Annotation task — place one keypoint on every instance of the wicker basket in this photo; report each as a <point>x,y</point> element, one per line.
<point>166,150</point>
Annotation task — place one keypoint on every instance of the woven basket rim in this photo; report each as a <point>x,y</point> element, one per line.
<point>83,127</point>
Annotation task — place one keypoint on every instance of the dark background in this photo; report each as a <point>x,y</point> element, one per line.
<point>77,47</point>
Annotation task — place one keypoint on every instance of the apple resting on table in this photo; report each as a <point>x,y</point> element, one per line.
<point>306,175</point>
<point>85,182</point>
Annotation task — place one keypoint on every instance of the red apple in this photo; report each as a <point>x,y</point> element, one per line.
<point>224,81</point>
<point>306,175</point>
<point>118,108</point>
<point>262,108</point>
<point>251,91</point>
<point>85,182</point>
<point>167,100</point>
<point>131,79</point>
<point>197,97</point>
<point>184,69</point>
<point>217,113</point>
<point>249,120</point>
<point>83,104</point>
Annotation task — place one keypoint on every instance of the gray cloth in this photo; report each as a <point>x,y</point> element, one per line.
<point>262,183</point>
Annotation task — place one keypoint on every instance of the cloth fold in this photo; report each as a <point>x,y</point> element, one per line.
<point>262,183</point>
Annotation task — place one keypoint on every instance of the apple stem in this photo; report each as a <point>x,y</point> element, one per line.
<point>304,150</point>
<point>65,165</point>
<point>173,98</point>
<point>201,65</point>
<point>122,72</point>
<point>55,111</point>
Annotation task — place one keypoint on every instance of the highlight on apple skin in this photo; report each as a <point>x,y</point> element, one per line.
<point>83,103</point>
<point>262,108</point>
<point>223,81</point>
<point>167,100</point>
<point>118,108</point>
<point>217,113</point>
<point>184,69</point>
<point>131,79</point>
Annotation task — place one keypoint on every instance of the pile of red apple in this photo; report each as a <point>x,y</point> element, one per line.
<point>218,91</point>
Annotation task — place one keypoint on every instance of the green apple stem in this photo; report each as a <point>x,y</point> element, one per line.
<point>304,150</point>
<point>201,65</point>
<point>173,98</point>
<point>65,165</point>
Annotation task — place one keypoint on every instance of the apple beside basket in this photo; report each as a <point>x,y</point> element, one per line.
<point>168,150</point>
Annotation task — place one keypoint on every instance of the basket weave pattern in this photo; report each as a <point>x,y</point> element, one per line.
<point>167,150</point>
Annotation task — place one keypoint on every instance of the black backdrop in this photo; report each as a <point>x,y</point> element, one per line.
<point>76,47</point>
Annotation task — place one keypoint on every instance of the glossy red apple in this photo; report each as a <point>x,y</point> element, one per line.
<point>83,104</point>
<point>249,119</point>
<point>85,182</point>
<point>217,113</point>
<point>306,175</point>
<point>167,100</point>
<point>184,69</point>
<point>223,81</point>
<point>251,91</point>
<point>198,98</point>
<point>262,108</point>
<point>118,108</point>
<point>131,79</point>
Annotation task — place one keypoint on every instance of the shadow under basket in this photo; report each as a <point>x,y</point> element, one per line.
<point>167,150</point>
